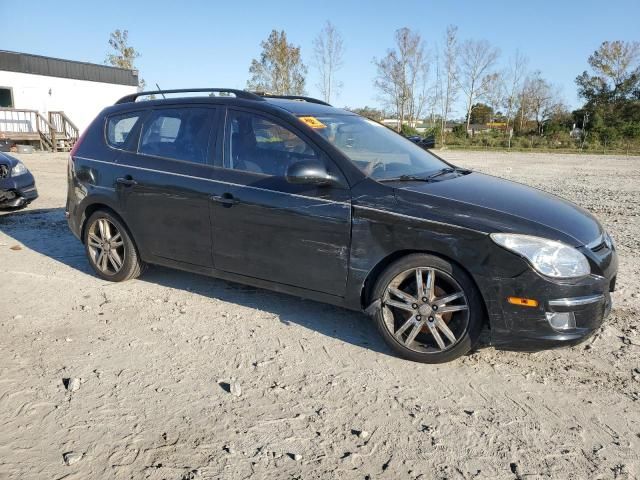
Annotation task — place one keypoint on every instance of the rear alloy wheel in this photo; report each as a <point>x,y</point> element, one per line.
<point>429,309</point>
<point>110,249</point>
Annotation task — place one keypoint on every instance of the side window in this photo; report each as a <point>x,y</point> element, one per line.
<point>178,134</point>
<point>258,145</point>
<point>119,127</point>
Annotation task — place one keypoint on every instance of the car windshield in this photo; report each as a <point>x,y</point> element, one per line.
<point>377,151</point>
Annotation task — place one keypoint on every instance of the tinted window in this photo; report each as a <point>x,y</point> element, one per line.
<point>119,127</point>
<point>259,145</point>
<point>177,133</point>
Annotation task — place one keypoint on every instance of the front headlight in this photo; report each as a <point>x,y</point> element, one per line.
<point>550,258</point>
<point>18,169</point>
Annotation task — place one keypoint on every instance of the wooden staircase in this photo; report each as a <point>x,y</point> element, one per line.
<point>57,133</point>
<point>66,133</point>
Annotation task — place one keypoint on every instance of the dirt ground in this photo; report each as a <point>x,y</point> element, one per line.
<point>187,377</point>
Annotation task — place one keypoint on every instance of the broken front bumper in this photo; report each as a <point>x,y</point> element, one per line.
<point>566,314</point>
<point>17,191</point>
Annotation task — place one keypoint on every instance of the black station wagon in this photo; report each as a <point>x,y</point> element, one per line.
<point>294,195</point>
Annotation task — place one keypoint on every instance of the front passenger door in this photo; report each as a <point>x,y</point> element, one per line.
<point>267,228</point>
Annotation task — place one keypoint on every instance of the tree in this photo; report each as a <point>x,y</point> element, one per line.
<point>612,90</point>
<point>541,98</point>
<point>328,49</point>
<point>477,58</point>
<point>494,94</point>
<point>615,73</point>
<point>124,55</point>
<point>402,75</point>
<point>481,114</point>
<point>280,70</point>
<point>515,74</point>
<point>616,61</point>
<point>449,90</point>
<point>369,112</point>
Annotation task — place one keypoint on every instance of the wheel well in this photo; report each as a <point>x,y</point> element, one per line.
<point>365,295</point>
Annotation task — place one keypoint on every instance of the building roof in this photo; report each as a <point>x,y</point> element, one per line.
<point>56,67</point>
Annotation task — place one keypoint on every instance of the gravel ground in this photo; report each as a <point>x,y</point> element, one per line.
<point>178,376</point>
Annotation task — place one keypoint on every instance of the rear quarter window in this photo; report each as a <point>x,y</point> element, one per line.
<point>119,127</point>
<point>177,134</point>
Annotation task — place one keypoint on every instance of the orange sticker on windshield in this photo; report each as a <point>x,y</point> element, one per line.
<point>313,122</point>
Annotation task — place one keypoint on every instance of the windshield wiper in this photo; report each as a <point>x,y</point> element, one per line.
<point>428,178</point>
<point>444,171</point>
<point>404,178</point>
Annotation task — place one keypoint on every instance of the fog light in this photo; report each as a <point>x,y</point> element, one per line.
<point>561,320</point>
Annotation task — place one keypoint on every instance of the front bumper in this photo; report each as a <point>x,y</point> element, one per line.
<point>17,191</point>
<point>516,327</point>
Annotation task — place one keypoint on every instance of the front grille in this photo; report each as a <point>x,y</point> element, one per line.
<point>4,171</point>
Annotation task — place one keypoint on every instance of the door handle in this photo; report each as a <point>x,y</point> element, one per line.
<point>226,199</point>
<point>127,181</point>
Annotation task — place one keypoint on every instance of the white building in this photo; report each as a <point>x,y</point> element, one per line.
<point>34,89</point>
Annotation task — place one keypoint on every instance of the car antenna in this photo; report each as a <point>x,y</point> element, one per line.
<point>160,90</point>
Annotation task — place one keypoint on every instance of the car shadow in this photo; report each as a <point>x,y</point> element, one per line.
<point>45,231</point>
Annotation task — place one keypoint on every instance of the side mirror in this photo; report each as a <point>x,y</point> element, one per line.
<point>310,172</point>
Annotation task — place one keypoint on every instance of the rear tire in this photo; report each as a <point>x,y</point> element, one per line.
<point>110,248</point>
<point>436,322</point>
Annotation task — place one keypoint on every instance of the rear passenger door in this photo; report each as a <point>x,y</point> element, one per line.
<point>164,186</point>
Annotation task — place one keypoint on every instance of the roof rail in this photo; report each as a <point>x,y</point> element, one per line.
<point>293,97</point>
<point>238,93</point>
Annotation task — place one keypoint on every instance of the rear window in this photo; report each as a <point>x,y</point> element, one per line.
<point>119,127</point>
<point>178,134</point>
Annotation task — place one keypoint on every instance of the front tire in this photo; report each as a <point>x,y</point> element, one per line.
<point>110,248</point>
<point>430,309</point>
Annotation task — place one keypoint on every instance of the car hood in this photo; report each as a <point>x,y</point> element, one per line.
<point>493,204</point>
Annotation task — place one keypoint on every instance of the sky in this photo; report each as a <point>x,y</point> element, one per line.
<point>211,44</point>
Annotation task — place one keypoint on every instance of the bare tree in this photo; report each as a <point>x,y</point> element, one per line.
<point>280,69</point>
<point>541,98</point>
<point>514,77</point>
<point>495,92</point>
<point>401,76</point>
<point>477,58</point>
<point>449,88</point>
<point>434,99</point>
<point>328,49</point>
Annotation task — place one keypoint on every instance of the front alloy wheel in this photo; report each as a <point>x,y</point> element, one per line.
<point>429,309</point>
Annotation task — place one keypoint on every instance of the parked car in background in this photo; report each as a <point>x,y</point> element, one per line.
<point>17,185</point>
<point>294,195</point>
<point>424,142</point>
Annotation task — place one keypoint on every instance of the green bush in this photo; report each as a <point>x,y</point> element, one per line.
<point>460,131</point>
<point>409,131</point>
